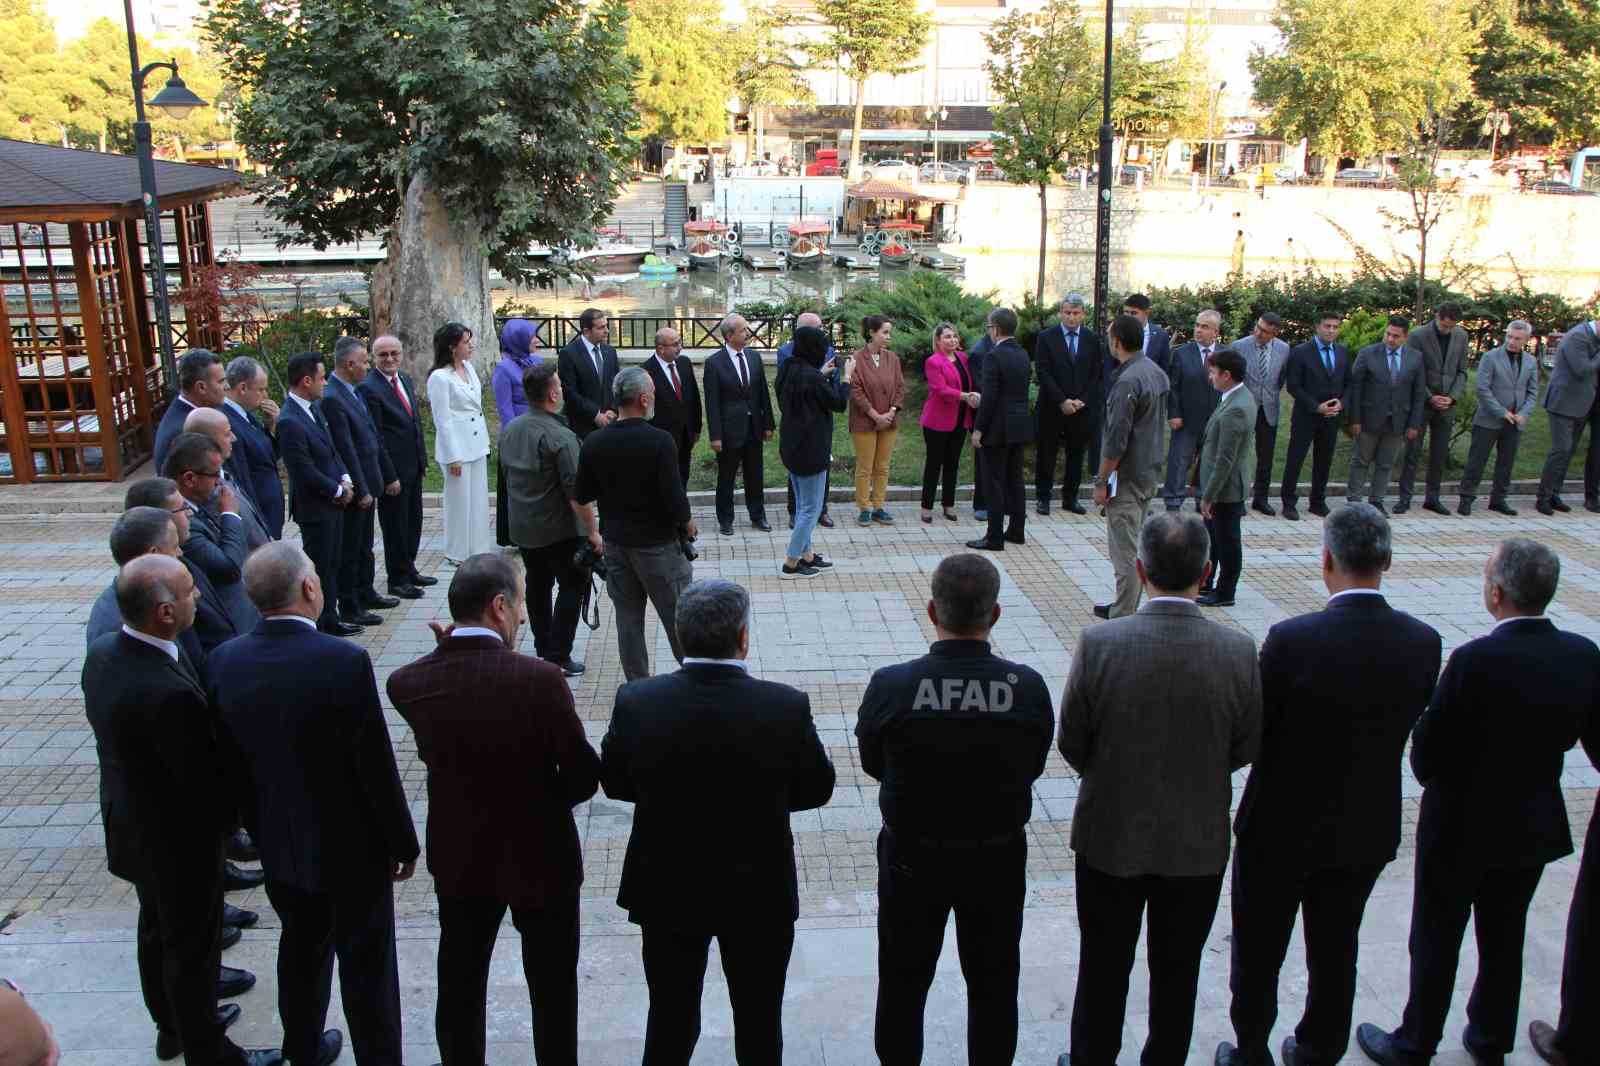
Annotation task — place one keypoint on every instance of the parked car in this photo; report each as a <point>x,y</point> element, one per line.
<point>1266,174</point>
<point>1556,187</point>
<point>892,170</point>
<point>1133,173</point>
<point>940,172</point>
<point>1360,176</point>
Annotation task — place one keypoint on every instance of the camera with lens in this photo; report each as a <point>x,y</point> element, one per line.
<point>686,545</point>
<point>586,558</point>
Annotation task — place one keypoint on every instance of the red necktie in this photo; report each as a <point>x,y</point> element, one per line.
<point>677,386</point>
<point>399,390</point>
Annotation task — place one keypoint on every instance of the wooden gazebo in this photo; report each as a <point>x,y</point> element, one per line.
<point>80,373</point>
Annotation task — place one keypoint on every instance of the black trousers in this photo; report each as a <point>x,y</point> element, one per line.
<point>550,568</point>
<point>502,510</point>
<point>1227,547</point>
<point>356,562</point>
<point>1578,1030</point>
<point>401,518</point>
<point>1436,428</point>
<point>979,496</point>
<point>467,931</point>
<point>1566,434</point>
<point>755,961</point>
<point>1504,441</point>
<point>180,948</point>
<point>1319,436</point>
<point>1002,470</point>
<point>1070,434</point>
<point>323,539</point>
<point>1266,895</point>
<point>729,462</point>
<point>918,886</point>
<point>685,453</point>
<point>1180,912</point>
<point>356,924</point>
<point>941,463</point>
<point>1443,898</point>
<point>1266,449</point>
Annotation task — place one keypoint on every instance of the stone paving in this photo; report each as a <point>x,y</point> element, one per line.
<point>66,926</point>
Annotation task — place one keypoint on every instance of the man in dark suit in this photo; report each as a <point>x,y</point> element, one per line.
<point>1151,826</point>
<point>1575,1038</point>
<point>319,487</point>
<point>1315,377</point>
<point>738,420</point>
<point>677,396</point>
<point>162,797</point>
<point>1001,429</point>
<point>1190,404</point>
<point>1385,394</point>
<point>1482,850</point>
<point>252,414</point>
<point>212,625</point>
<point>200,384</point>
<point>392,401</point>
<point>355,436</point>
<point>1157,341</point>
<point>588,365</point>
<point>1320,818</point>
<point>507,761</point>
<point>1067,361</point>
<point>1443,344</point>
<point>698,866</point>
<point>211,422</point>
<point>142,530</point>
<point>216,538</point>
<point>977,357</point>
<point>323,800</point>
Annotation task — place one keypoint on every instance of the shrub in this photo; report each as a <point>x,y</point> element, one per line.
<point>919,302</point>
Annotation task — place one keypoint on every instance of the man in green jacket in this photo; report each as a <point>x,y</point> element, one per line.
<point>1230,435</point>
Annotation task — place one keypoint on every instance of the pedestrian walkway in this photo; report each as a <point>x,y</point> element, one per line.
<point>67,927</point>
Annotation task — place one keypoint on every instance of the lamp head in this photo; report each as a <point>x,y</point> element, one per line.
<point>176,99</point>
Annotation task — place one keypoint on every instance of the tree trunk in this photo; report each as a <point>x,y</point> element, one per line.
<point>1422,271</point>
<point>855,131</point>
<point>1044,236</point>
<point>436,273</point>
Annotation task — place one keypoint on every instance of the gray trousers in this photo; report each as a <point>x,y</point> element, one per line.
<point>1504,440</point>
<point>1124,518</point>
<point>1180,453</point>
<point>1375,454</point>
<point>657,573</point>
<point>1436,429</point>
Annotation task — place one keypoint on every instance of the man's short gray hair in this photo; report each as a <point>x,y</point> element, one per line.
<point>1359,539</point>
<point>1517,325</point>
<point>1527,572</point>
<point>629,385</point>
<point>242,371</point>
<point>1209,315</point>
<point>344,346</point>
<point>1073,299</point>
<point>729,323</point>
<point>709,616</point>
<point>1174,548</point>
<point>273,574</point>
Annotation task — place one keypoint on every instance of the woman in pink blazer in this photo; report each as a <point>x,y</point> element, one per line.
<point>946,417</point>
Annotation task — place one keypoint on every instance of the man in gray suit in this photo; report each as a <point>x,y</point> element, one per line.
<point>1223,458</point>
<point>1265,357</point>
<point>1385,399</point>
<point>1570,399</point>
<point>1508,387</point>
<point>1443,344</point>
<point>1130,452</point>
<point>1151,825</point>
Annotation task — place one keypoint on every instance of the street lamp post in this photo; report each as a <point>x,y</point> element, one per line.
<point>177,101</point>
<point>1102,220</point>
<point>936,116</point>
<point>1211,132</point>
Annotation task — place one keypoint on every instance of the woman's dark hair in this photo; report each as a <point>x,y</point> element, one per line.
<point>810,346</point>
<point>872,324</point>
<point>445,339</point>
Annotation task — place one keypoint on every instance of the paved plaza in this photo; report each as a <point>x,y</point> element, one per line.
<point>67,926</point>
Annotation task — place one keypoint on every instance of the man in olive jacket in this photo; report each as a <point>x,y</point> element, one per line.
<point>1230,434</point>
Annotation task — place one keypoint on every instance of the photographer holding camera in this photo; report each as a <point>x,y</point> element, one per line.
<point>539,460</point>
<point>631,468</point>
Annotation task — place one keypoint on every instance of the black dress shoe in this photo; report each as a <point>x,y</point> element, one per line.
<point>1213,599</point>
<point>1592,504</point>
<point>405,592</point>
<point>1228,1055</point>
<point>1042,507</point>
<point>237,880</point>
<point>1290,513</point>
<point>1544,507</point>
<point>1075,507</point>
<point>1465,508</point>
<point>1559,504</point>
<point>328,1049</point>
<point>340,629</point>
<point>1102,610</point>
<point>1381,508</point>
<point>1379,1047</point>
<point>1501,507</point>
<point>762,524</point>
<point>726,529</point>
<point>569,666</point>
<point>230,936</point>
<point>380,603</point>
<point>262,1056</point>
<point>1319,509</point>
<point>1543,1038</point>
<point>1019,539</point>
<point>1482,1058</point>
<point>1435,506</point>
<point>238,917</point>
<point>825,520</point>
<point>422,581</point>
<point>360,617</point>
<point>170,1046</point>
<point>984,544</point>
<point>240,848</point>
<point>1402,506</point>
<point>1290,1052</point>
<point>1264,507</point>
<point>233,982</point>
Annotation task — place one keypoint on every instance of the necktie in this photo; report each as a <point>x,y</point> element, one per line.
<point>594,353</point>
<point>1263,355</point>
<point>1394,365</point>
<point>1072,343</point>
<point>316,415</point>
<point>1327,357</point>
<point>744,379</point>
<point>677,386</point>
<point>400,391</point>
<point>1205,356</point>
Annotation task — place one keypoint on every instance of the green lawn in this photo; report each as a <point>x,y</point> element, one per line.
<point>906,467</point>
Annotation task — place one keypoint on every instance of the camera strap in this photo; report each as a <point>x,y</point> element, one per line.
<point>589,604</point>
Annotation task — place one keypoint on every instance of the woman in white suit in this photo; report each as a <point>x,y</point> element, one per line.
<point>460,443</point>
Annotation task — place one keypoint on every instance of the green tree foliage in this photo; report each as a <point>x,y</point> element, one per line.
<point>867,37</point>
<point>768,70</point>
<point>33,101</point>
<point>518,112</point>
<point>100,81</point>
<point>1540,61</point>
<point>684,59</point>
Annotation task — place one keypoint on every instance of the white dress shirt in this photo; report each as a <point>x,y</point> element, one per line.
<point>168,646</point>
<point>476,631</point>
<point>691,660</point>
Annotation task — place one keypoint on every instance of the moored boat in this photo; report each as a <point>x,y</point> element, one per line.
<point>808,244</point>
<point>705,243</point>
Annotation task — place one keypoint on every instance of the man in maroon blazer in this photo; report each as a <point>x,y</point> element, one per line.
<point>507,761</point>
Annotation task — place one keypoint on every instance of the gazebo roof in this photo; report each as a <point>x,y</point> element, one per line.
<point>47,183</point>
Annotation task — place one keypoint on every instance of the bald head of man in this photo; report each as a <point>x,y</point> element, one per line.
<point>211,422</point>
<point>280,579</point>
<point>156,595</point>
<point>808,318</point>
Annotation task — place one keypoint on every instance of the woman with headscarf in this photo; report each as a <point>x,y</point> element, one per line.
<point>519,345</point>
<point>807,400</point>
